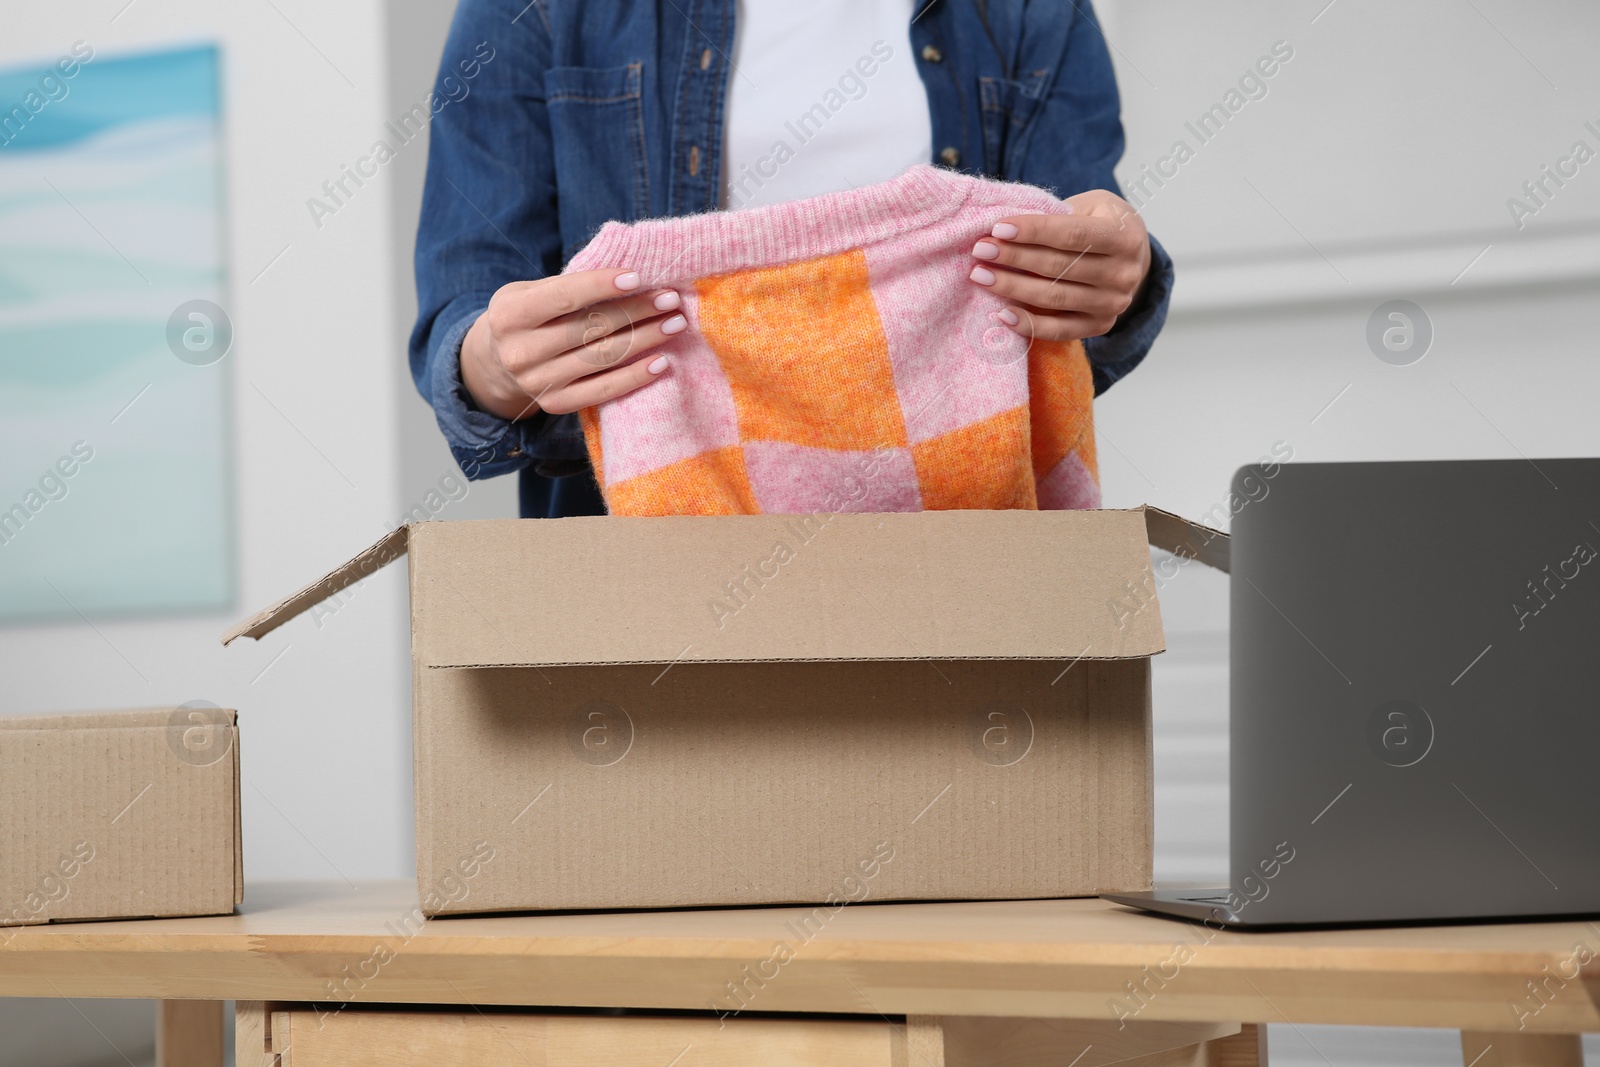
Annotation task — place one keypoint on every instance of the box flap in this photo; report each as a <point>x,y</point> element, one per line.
<point>928,585</point>
<point>391,547</point>
<point>1181,537</point>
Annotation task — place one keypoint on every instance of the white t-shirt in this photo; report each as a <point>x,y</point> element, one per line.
<point>824,96</point>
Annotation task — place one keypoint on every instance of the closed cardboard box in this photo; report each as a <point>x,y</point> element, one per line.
<point>665,712</point>
<point>119,814</point>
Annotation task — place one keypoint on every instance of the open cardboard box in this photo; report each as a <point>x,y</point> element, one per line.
<point>679,711</point>
<point>119,815</point>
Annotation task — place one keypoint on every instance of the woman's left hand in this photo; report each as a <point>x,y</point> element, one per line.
<point>1066,277</point>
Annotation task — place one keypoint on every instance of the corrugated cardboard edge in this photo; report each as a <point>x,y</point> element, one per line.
<point>1147,846</point>
<point>422,784</point>
<point>1185,538</point>
<point>158,718</point>
<point>1139,653</point>
<point>386,550</point>
<point>238,823</point>
<point>131,719</point>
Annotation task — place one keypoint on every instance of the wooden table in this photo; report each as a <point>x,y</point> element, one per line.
<point>978,969</point>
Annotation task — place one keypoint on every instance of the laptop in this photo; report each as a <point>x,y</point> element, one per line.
<point>1414,695</point>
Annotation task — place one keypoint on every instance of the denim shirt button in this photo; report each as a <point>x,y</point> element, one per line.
<point>950,157</point>
<point>932,54</point>
<point>515,453</point>
<point>705,59</point>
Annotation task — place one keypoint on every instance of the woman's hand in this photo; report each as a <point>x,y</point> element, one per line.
<point>564,343</point>
<point>1067,277</point>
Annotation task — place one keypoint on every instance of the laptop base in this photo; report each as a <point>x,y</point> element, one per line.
<point>1207,904</point>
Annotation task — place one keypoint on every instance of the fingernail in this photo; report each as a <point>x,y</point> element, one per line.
<point>627,281</point>
<point>985,250</point>
<point>676,324</point>
<point>657,365</point>
<point>1004,230</point>
<point>667,301</point>
<point>982,275</point>
<point>1008,316</point>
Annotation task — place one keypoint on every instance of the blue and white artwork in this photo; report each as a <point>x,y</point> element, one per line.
<point>115,466</point>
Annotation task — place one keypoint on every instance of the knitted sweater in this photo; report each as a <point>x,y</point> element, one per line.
<point>838,358</point>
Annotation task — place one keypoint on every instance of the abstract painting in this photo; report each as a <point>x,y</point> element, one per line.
<point>115,390</point>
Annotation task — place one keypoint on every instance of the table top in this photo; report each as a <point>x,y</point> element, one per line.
<point>336,944</point>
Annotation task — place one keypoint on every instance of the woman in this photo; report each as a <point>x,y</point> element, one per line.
<point>589,110</point>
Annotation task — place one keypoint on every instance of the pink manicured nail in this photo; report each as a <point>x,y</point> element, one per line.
<point>627,281</point>
<point>982,275</point>
<point>1004,230</point>
<point>1008,316</point>
<point>985,250</point>
<point>676,324</point>
<point>667,301</point>
<point>657,365</point>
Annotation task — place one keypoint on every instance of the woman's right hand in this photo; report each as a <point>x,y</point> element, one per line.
<point>565,343</point>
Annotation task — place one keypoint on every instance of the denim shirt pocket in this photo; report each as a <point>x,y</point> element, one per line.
<point>597,141</point>
<point>1007,106</point>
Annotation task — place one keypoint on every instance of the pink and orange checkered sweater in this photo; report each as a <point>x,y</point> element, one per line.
<point>839,359</point>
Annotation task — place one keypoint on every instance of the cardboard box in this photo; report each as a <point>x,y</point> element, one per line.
<point>664,712</point>
<point>119,815</point>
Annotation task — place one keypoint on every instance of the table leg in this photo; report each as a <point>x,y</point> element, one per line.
<point>1247,1048</point>
<point>189,1033</point>
<point>251,1044</point>
<point>1485,1048</point>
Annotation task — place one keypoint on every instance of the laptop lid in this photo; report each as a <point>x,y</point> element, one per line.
<point>1415,690</point>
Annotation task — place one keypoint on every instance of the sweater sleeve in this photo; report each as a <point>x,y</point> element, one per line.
<point>1076,143</point>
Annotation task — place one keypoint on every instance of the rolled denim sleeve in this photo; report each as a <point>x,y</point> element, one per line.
<point>1077,142</point>
<point>488,218</point>
<point>1115,353</point>
<point>484,445</point>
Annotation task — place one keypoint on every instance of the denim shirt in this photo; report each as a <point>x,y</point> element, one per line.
<point>552,117</point>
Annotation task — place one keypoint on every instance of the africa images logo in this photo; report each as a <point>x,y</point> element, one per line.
<point>199,733</point>
<point>1400,733</point>
<point>1002,734</point>
<point>601,733</point>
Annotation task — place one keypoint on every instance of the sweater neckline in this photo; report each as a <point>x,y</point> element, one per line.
<point>669,251</point>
